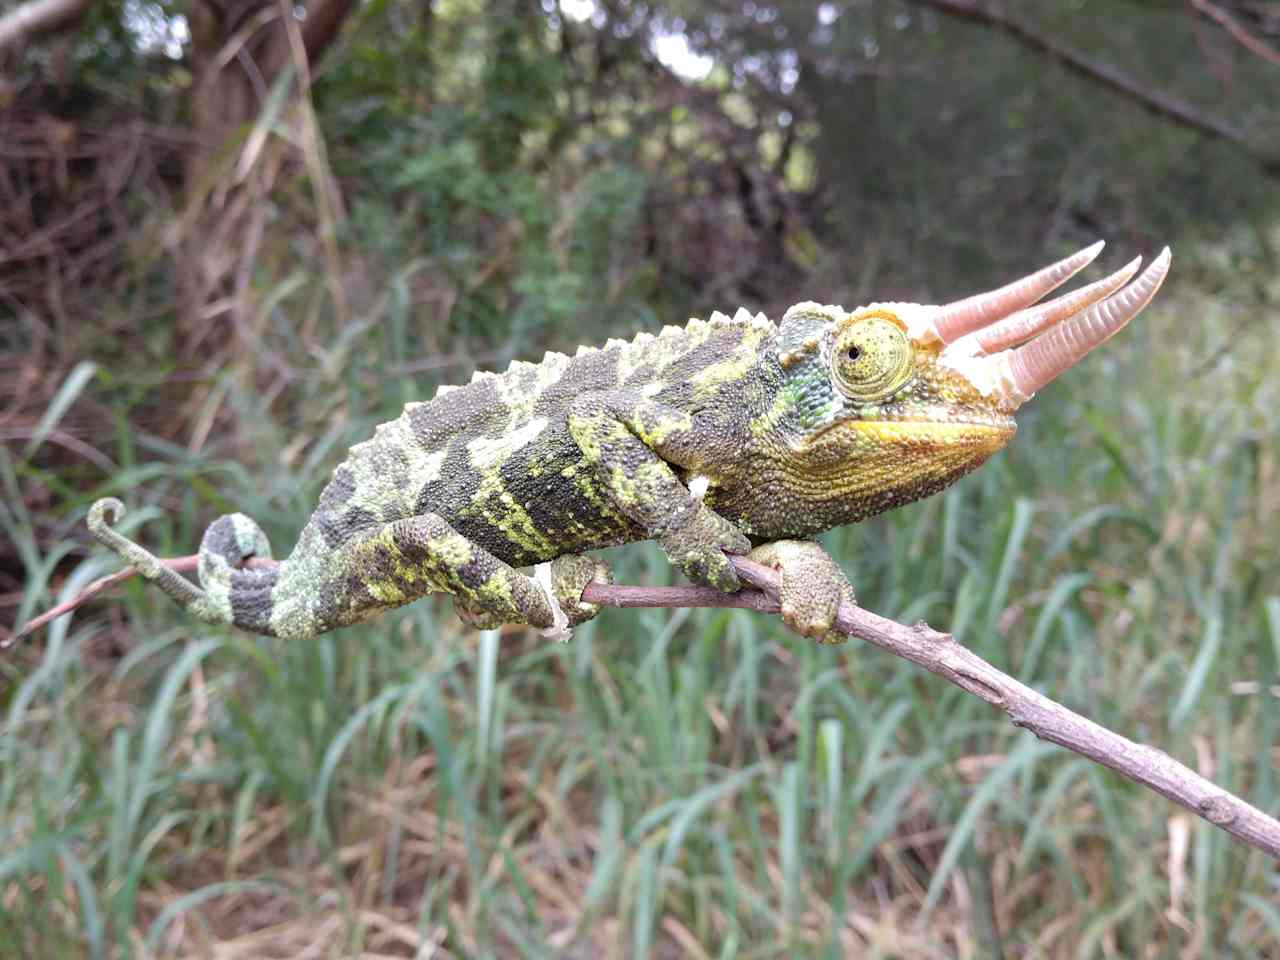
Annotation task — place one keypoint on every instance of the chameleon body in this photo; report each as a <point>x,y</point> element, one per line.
<point>733,435</point>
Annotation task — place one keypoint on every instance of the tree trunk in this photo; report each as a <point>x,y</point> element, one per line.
<point>239,49</point>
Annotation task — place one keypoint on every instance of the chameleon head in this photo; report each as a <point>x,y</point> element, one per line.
<point>894,401</point>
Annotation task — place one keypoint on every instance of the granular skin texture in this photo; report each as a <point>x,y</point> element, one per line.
<point>721,437</point>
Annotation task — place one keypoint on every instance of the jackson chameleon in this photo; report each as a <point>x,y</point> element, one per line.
<point>726,436</point>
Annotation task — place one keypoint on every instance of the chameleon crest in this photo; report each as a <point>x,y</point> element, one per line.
<point>726,436</point>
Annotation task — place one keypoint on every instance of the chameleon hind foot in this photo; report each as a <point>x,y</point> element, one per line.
<point>569,576</point>
<point>812,589</point>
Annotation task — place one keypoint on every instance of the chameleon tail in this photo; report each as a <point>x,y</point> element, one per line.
<point>226,595</point>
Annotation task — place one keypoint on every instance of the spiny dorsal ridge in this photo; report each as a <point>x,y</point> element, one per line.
<point>520,366</point>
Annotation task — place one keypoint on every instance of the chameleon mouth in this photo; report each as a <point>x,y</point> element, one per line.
<point>943,440</point>
<point>984,433</point>
<point>890,462</point>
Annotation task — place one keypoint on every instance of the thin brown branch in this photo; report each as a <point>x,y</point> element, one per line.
<point>1237,32</point>
<point>994,14</point>
<point>939,654</point>
<point>180,564</point>
<point>36,17</point>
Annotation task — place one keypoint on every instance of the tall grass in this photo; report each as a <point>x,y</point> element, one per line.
<point>674,783</point>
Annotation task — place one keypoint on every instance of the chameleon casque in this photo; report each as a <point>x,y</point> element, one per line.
<point>727,436</point>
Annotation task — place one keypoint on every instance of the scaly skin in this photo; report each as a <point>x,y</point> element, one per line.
<point>712,439</point>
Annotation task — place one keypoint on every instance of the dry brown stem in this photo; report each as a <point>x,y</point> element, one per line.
<point>1237,33</point>
<point>939,654</point>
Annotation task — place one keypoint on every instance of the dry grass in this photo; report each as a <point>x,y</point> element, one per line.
<point>671,783</point>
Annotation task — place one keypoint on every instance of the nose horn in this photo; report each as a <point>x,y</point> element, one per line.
<point>1035,364</point>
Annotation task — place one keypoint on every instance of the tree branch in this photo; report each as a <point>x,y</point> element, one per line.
<point>939,654</point>
<point>1238,33</point>
<point>1161,104</point>
<point>37,17</point>
<point>180,564</point>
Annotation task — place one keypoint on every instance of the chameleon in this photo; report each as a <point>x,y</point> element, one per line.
<point>727,436</point>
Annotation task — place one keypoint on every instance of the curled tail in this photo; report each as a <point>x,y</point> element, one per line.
<point>227,594</point>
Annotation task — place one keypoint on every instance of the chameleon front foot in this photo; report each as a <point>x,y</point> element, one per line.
<point>697,548</point>
<point>812,587</point>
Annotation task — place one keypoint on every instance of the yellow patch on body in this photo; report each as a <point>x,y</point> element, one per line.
<point>735,367</point>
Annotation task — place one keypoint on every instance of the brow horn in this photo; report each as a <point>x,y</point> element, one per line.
<point>1034,364</point>
<point>1025,324</point>
<point>954,320</point>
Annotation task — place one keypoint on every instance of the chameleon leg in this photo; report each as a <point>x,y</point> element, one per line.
<point>395,564</point>
<point>570,575</point>
<point>812,587</point>
<point>627,438</point>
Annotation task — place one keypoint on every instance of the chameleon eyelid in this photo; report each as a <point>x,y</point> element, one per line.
<point>879,372</point>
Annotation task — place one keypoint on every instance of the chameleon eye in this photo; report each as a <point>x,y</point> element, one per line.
<point>872,359</point>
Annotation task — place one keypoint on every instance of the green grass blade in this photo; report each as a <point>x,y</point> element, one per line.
<point>90,912</point>
<point>1199,673</point>
<point>66,395</point>
<point>1028,751</point>
<point>159,722</point>
<point>687,811</point>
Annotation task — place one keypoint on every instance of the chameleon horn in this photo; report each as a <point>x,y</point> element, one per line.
<point>1034,364</point>
<point>1025,324</point>
<point>964,316</point>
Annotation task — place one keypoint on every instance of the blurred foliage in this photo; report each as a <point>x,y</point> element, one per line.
<point>218,271</point>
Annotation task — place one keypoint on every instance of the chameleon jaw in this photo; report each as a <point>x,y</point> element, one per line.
<point>980,436</point>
